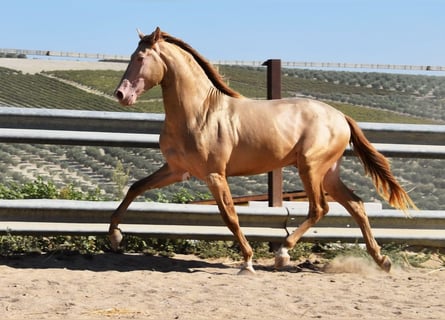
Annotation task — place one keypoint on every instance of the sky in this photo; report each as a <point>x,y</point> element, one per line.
<point>353,31</point>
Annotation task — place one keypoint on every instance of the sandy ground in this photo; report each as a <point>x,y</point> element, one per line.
<point>33,66</point>
<point>116,286</point>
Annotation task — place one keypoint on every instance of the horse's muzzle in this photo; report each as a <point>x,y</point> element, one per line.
<point>119,95</point>
<point>128,91</point>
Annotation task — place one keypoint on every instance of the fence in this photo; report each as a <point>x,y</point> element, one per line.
<point>97,128</point>
<point>27,125</point>
<point>286,64</point>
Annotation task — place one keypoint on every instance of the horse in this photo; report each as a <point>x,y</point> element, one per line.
<point>212,132</point>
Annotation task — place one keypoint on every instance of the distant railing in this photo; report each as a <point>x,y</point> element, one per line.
<point>334,65</point>
<point>68,127</point>
<point>285,64</point>
<point>75,55</point>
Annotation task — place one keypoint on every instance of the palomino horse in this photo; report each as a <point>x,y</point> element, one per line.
<point>212,132</point>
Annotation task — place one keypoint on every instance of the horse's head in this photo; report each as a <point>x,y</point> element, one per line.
<point>145,70</point>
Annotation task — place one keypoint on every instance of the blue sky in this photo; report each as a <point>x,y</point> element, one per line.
<point>356,31</point>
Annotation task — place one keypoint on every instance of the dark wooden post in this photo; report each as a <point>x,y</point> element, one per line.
<point>275,177</point>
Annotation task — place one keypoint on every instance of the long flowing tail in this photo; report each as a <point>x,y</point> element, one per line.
<point>377,166</point>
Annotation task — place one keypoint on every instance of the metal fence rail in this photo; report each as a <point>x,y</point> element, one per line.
<point>24,125</point>
<point>261,223</point>
<point>126,129</point>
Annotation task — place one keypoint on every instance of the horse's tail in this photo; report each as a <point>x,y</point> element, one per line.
<point>377,166</point>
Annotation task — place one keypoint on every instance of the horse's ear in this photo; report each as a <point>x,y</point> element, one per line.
<point>157,34</point>
<point>140,33</point>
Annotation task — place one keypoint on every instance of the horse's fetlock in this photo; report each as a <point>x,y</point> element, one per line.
<point>288,244</point>
<point>115,236</point>
<point>282,257</point>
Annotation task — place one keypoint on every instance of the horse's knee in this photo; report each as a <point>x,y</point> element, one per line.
<point>214,179</point>
<point>217,184</point>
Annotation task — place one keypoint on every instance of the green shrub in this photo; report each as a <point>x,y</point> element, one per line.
<point>39,189</point>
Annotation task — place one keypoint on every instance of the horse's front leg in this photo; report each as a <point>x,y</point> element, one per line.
<point>219,187</point>
<point>163,177</point>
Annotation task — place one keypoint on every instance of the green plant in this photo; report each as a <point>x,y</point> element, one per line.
<point>10,192</point>
<point>402,256</point>
<point>218,249</point>
<point>69,192</point>
<point>39,189</point>
<point>303,250</point>
<point>11,245</point>
<point>182,195</point>
<point>120,178</point>
<point>14,244</point>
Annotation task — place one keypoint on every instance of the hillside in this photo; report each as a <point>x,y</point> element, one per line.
<point>382,97</point>
<point>387,103</point>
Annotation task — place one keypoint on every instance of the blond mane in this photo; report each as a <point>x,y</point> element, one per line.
<point>206,66</point>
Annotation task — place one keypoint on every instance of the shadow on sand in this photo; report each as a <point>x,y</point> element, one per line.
<point>110,262</point>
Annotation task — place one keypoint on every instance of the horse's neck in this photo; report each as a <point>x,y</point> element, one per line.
<point>185,86</point>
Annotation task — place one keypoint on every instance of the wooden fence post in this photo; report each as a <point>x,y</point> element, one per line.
<point>275,177</point>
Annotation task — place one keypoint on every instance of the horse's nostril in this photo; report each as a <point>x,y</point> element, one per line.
<point>119,94</point>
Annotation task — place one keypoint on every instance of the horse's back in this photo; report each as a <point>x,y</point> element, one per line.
<point>291,119</point>
<point>275,133</point>
<point>296,108</point>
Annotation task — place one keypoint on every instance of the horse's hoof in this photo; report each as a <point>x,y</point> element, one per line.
<point>282,259</point>
<point>247,271</point>
<point>385,264</point>
<point>115,237</point>
<point>281,262</point>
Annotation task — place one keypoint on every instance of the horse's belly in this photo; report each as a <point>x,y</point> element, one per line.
<point>250,163</point>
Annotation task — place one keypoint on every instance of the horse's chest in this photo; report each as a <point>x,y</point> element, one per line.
<point>180,149</point>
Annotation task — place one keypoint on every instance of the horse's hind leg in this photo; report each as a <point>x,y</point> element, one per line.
<point>311,177</point>
<point>219,187</point>
<point>342,194</point>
